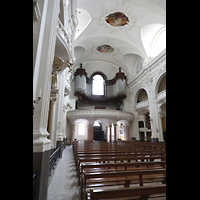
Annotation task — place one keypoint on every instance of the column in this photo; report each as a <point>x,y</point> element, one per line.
<point>152,114</point>
<point>115,132</point>
<point>127,132</point>
<point>161,139</point>
<point>145,131</point>
<point>72,132</point>
<point>110,125</point>
<point>42,82</point>
<point>107,133</point>
<point>90,130</point>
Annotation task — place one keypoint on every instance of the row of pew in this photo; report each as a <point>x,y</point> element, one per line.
<point>101,164</point>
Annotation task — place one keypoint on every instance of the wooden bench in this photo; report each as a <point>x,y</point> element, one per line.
<point>115,159</point>
<point>142,192</point>
<point>97,167</point>
<point>100,179</point>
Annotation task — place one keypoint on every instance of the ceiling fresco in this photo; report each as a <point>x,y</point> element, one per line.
<point>105,48</point>
<point>117,19</point>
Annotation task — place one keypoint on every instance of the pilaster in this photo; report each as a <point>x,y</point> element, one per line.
<point>44,56</point>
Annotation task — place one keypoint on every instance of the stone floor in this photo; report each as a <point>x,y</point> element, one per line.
<point>63,184</point>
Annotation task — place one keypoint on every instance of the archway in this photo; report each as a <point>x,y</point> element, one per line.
<point>161,83</point>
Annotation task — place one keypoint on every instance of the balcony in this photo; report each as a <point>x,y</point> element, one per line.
<point>142,105</point>
<point>100,113</point>
<point>64,36</point>
<point>161,97</point>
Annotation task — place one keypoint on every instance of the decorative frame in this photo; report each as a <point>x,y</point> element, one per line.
<point>122,7</point>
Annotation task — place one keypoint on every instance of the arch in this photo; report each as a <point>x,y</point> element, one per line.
<point>138,92</point>
<point>98,83</point>
<point>81,129</point>
<point>159,79</point>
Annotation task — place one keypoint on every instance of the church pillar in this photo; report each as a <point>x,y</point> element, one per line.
<point>42,84</point>
<point>127,132</point>
<point>107,133</point>
<point>160,126</point>
<point>152,114</point>
<point>90,131</point>
<point>110,125</point>
<point>145,131</point>
<point>115,132</point>
<point>72,132</point>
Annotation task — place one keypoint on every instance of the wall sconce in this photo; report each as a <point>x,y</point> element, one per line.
<point>36,101</point>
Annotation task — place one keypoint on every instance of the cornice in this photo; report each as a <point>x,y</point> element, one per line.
<point>153,63</point>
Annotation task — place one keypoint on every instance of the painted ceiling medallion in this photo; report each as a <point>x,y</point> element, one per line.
<point>105,48</point>
<point>117,19</point>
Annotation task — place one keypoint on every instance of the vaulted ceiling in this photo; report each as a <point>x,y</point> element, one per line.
<point>136,42</point>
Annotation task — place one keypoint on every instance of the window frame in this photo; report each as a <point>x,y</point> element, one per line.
<point>104,78</point>
<point>81,128</point>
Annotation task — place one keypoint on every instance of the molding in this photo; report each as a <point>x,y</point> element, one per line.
<point>122,7</point>
<point>40,141</point>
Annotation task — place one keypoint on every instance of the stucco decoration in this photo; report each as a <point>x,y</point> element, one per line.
<point>117,19</point>
<point>105,48</point>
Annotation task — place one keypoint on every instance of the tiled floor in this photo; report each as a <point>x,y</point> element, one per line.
<point>64,184</point>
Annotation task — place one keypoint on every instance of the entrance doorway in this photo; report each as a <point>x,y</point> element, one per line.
<point>98,134</point>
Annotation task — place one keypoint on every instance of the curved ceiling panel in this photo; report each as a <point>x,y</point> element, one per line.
<point>84,19</point>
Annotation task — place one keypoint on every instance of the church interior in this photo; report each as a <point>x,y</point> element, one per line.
<point>99,99</point>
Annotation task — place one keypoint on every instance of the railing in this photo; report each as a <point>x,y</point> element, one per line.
<point>99,113</point>
<point>53,158</point>
<point>142,104</point>
<point>64,35</point>
<point>34,185</point>
<point>161,95</point>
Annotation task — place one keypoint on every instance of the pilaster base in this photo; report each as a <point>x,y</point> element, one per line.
<point>41,167</point>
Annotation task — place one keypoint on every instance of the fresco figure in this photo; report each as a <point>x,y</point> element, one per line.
<point>117,19</point>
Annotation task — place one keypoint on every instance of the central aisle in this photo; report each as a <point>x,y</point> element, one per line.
<point>64,184</point>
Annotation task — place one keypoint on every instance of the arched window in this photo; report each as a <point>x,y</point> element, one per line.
<point>98,83</point>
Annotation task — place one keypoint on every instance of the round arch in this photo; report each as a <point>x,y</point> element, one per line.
<point>159,79</point>
<point>138,92</point>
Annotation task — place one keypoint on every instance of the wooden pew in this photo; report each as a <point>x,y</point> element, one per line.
<point>125,178</point>
<point>116,158</point>
<point>120,167</point>
<point>143,192</point>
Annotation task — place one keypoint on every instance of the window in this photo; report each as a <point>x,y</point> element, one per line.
<point>81,128</point>
<point>98,85</point>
